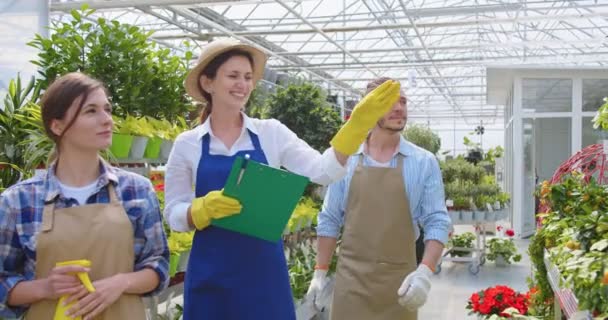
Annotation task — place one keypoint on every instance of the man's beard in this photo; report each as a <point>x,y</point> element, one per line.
<point>395,128</point>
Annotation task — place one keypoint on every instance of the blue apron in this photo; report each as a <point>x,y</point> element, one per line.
<point>232,276</point>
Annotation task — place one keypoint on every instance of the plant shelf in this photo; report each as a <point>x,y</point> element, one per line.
<point>568,302</point>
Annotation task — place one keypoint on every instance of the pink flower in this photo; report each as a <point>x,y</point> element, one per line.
<point>499,228</point>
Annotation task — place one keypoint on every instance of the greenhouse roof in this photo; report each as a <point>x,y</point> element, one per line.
<point>439,49</point>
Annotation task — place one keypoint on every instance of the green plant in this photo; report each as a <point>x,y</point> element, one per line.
<point>134,126</point>
<point>13,130</point>
<point>503,247</point>
<point>600,120</point>
<point>464,240</point>
<point>9,175</point>
<point>256,105</point>
<point>574,234</point>
<point>304,215</point>
<point>141,78</point>
<point>423,137</point>
<point>37,146</point>
<point>304,109</point>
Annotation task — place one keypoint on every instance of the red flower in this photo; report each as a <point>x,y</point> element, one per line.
<point>499,228</point>
<point>159,187</point>
<point>495,300</point>
<point>510,232</point>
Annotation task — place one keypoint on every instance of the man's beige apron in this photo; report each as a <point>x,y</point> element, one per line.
<point>377,249</point>
<point>101,233</point>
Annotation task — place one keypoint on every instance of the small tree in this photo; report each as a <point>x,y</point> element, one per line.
<point>304,109</point>
<point>423,137</point>
<point>142,79</point>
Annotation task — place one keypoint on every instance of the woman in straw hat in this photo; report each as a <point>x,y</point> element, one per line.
<point>231,275</point>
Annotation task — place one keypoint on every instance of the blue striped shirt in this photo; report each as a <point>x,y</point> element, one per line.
<point>424,188</point>
<point>21,208</point>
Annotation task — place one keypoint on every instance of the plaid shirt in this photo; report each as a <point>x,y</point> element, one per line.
<point>21,208</point>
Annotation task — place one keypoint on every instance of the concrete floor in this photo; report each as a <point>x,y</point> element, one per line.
<point>453,286</point>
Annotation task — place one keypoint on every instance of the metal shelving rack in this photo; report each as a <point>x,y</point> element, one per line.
<point>566,303</point>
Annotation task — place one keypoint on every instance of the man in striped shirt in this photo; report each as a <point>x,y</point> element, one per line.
<point>392,186</point>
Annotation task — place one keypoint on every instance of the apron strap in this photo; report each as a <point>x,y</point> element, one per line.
<point>205,145</point>
<point>112,193</point>
<point>48,216</point>
<point>254,140</point>
<point>360,160</point>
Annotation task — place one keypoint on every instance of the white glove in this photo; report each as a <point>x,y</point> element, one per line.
<point>318,282</point>
<point>415,288</point>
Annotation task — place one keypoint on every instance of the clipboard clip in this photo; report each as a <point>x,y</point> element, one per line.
<point>243,167</point>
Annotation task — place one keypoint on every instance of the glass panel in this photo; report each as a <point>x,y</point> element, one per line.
<point>594,90</point>
<point>547,95</point>
<point>553,145</point>
<point>590,135</point>
<point>529,178</point>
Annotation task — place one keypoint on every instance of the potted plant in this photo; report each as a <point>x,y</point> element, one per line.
<point>503,250</point>
<point>461,241</point>
<point>496,302</point>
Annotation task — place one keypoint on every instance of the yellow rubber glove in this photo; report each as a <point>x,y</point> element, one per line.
<point>213,205</point>
<point>60,311</point>
<point>364,117</point>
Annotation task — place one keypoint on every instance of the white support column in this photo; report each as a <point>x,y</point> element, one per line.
<point>577,114</point>
<point>518,165</point>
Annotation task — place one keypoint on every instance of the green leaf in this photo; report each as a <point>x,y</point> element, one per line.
<point>600,245</point>
<point>76,15</point>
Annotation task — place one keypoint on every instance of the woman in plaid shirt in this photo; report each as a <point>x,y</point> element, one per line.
<point>81,208</point>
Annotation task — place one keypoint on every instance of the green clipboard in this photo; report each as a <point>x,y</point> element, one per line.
<point>268,196</point>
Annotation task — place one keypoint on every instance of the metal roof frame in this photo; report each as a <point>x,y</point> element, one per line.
<point>446,44</point>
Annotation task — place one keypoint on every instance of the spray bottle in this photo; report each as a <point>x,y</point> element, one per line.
<point>84,278</point>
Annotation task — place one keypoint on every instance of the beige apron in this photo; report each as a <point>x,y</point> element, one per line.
<point>101,233</point>
<point>377,249</point>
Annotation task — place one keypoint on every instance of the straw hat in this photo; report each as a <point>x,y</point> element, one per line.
<point>212,50</point>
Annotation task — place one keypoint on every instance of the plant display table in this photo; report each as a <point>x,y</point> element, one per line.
<point>566,303</point>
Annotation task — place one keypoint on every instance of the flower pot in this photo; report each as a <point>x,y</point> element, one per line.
<point>501,261</point>
<point>479,215</point>
<point>183,261</point>
<point>121,145</point>
<point>153,148</point>
<point>455,216</point>
<point>173,263</point>
<point>466,216</point>
<point>165,148</point>
<point>138,147</point>
<point>490,215</point>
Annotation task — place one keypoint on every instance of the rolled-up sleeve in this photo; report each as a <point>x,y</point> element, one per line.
<point>12,258</point>
<point>151,242</point>
<point>331,217</point>
<point>434,218</point>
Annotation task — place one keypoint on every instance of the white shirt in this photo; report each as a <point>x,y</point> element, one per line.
<point>280,145</point>
<point>81,194</point>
